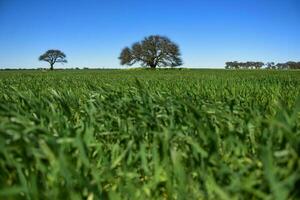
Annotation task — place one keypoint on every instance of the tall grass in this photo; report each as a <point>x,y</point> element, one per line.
<point>190,134</point>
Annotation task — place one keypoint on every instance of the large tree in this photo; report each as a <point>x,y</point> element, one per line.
<point>53,56</point>
<point>154,51</point>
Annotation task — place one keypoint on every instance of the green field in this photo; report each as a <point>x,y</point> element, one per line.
<point>150,134</point>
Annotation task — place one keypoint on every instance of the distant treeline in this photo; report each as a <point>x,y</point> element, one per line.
<point>259,65</point>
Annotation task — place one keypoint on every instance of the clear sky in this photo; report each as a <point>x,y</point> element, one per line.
<point>93,32</point>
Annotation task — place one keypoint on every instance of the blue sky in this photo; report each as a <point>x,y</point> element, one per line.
<point>93,32</point>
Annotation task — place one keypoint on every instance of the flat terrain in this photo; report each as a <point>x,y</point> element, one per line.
<point>144,134</point>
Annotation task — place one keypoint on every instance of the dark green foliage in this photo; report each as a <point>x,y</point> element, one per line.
<point>244,65</point>
<point>259,65</point>
<point>52,57</point>
<point>154,51</point>
<point>143,134</point>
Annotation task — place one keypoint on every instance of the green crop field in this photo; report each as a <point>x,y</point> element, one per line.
<point>150,134</point>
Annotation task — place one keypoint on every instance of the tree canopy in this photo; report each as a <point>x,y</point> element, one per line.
<point>154,51</point>
<point>53,56</point>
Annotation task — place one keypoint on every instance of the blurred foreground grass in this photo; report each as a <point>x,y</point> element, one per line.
<point>142,134</point>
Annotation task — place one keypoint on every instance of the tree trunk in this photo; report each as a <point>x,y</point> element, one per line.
<point>51,66</point>
<point>152,66</point>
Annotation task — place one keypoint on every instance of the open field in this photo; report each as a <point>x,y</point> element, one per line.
<point>150,134</point>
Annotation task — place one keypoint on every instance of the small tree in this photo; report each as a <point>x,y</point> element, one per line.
<point>52,57</point>
<point>271,65</point>
<point>293,65</point>
<point>154,51</point>
<point>228,65</point>
<point>259,65</point>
